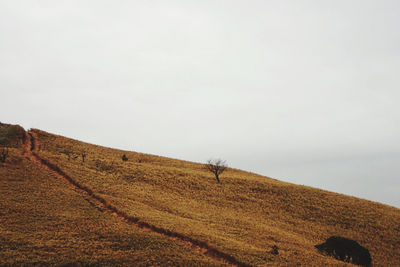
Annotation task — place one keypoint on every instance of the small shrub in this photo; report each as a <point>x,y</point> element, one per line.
<point>275,250</point>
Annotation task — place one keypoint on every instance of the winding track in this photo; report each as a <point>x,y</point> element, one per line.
<point>31,145</point>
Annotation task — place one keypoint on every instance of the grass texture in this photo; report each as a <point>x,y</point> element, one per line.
<point>45,220</point>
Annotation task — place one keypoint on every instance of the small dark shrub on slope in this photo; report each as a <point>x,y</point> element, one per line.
<point>347,250</point>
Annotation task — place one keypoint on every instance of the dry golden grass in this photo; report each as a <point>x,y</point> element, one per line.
<point>244,216</point>
<point>44,221</point>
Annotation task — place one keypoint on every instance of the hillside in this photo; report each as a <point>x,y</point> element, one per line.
<point>45,221</point>
<point>151,210</point>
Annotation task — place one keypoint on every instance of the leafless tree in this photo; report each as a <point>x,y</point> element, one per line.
<point>216,166</point>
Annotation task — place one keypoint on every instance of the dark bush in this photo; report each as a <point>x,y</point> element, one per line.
<point>124,157</point>
<point>11,135</point>
<point>347,250</point>
<point>275,250</point>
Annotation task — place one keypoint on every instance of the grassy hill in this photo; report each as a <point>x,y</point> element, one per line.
<point>152,210</point>
<point>45,221</point>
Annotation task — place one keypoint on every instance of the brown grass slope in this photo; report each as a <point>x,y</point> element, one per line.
<point>244,216</point>
<point>94,198</point>
<point>44,221</point>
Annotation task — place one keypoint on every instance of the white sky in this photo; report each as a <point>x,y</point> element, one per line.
<point>302,91</point>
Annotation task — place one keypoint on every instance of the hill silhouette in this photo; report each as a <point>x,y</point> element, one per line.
<point>60,207</point>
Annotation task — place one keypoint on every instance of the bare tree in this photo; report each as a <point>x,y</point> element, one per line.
<point>216,166</point>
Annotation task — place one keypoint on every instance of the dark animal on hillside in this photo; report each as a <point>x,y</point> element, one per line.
<point>346,250</point>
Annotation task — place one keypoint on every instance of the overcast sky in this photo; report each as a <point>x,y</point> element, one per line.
<point>302,91</point>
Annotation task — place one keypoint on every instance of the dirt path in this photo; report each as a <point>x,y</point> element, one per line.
<point>30,148</point>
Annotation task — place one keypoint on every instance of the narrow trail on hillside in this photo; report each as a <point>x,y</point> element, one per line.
<point>31,146</point>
